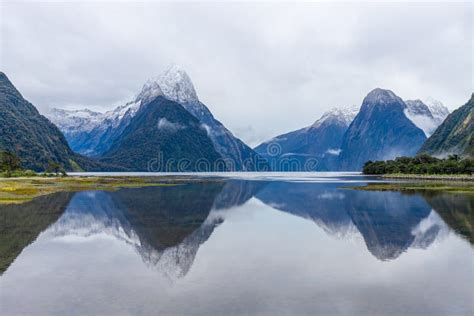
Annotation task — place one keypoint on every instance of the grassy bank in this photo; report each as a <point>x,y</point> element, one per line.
<point>449,187</point>
<point>22,189</point>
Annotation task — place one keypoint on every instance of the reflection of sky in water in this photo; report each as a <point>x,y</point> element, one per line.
<point>257,251</point>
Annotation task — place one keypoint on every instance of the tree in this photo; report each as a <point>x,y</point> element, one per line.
<point>9,162</point>
<point>56,168</point>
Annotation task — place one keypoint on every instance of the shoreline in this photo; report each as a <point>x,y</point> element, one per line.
<point>430,177</point>
<point>23,189</point>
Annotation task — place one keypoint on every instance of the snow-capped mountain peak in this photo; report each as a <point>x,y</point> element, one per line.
<point>151,89</point>
<point>176,85</point>
<point>437,109</point>
<point>424,116</point>
<point>380,96</point>
<point>417,107</point>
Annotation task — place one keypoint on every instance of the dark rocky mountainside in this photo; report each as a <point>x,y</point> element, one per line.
<point>31,136</point>
<point>454,135</point>
<point>159,136</point>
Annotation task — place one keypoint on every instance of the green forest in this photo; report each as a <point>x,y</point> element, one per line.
<point>421,164</point>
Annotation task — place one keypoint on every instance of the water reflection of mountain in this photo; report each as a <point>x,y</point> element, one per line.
<point>389,222</point>
<point>457,210</point>
<point>20,224</point>
<point>166,225</point>
<point>319,202</point>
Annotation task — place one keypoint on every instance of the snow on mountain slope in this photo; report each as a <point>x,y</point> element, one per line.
<point>174,84</point>
<point>177,86</point>
<point>426,117</point>
<point>343,114</point>
<point>319,141</point>
<point>74,120</point>
<point>437,109</point>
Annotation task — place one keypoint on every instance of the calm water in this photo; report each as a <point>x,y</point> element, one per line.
<point>266,245</point>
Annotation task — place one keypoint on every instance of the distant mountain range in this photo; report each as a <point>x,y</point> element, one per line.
<point>167,128</point>
<point>98,134</point>
<point>319,143</point>
<point>427,116</point>
<point>344,139</point>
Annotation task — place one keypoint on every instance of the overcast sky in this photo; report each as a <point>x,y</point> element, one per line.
<point>263,69</point>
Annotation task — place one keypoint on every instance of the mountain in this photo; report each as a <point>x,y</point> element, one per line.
<point>455,135</point>
<point>163,136</point>
<point>380,131</point>
<point>426,116</point>
<point>31,136</point>
<point>93,134</point>
<point>319,142</point>
<point>177,86</point>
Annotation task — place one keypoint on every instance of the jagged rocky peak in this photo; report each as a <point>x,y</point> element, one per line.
<point>344,115</point>
<point>437,109</point>
<point>427,117</point>
<point>417,107</point>
<point>174,84</point>
<point>151,89</point>
<point>177,86</point>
